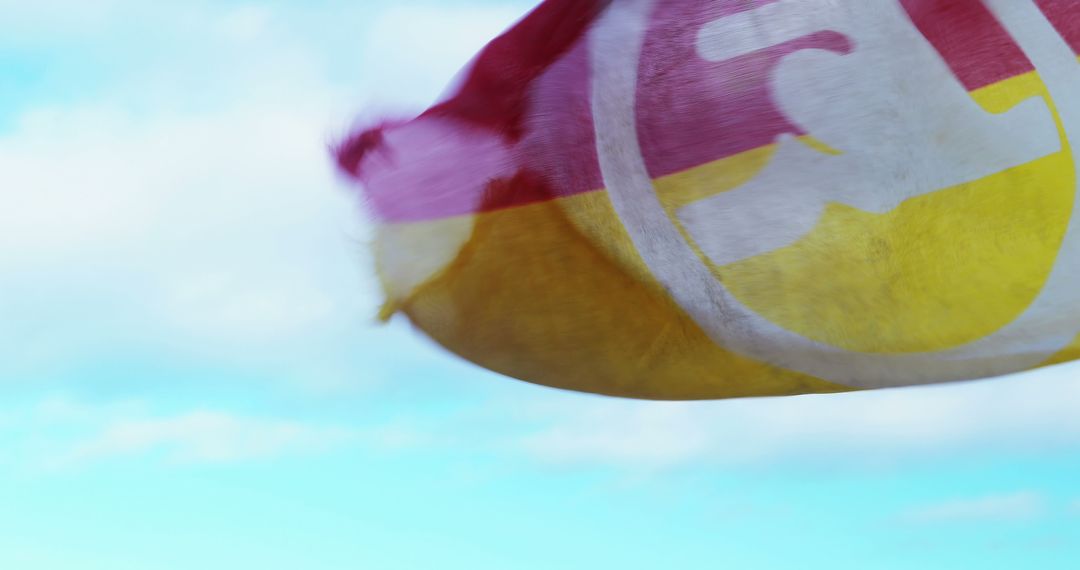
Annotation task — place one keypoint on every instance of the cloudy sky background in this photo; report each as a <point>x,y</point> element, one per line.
<point>192,376</point>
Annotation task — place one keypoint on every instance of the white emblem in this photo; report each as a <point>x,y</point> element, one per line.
<point>900,134</point>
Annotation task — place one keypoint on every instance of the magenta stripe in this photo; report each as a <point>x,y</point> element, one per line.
<point>459,158</point>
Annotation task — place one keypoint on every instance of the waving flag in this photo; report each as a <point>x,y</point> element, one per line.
<point>683,199</point>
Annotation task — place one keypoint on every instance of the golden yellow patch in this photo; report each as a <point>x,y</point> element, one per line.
<point>939,271</point>
<point>531,297</point>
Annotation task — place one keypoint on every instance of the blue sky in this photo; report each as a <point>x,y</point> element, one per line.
<point>192,377</point>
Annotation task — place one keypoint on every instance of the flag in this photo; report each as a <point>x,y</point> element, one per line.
<point>691,199</point>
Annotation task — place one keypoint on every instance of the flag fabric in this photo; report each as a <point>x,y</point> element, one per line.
<point>691,199</point>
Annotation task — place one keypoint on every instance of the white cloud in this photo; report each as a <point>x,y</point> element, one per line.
<point>225,228</point>
<point>224,304</point>
<point>34,22</point>
<point>204,437</point>
<point>1020,506</point>
<point>651,434</point>
<point>1026,412</point>
<point>60,433</point>
<point>414,50</point>
<point>62,410</point>
<point>246,23</point>
<point>202,214</point>
<point>192,198</point>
